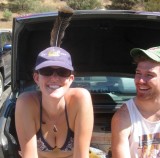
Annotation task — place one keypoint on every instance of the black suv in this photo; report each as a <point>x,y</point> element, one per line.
<point>5,58</point>
<point>99,42</point>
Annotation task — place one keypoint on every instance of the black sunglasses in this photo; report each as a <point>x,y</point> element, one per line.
<point>48,71</point>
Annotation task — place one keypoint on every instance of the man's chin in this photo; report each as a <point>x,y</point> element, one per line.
<point>143,97</point>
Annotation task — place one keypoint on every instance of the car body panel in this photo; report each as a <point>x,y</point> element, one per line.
<point>109,24</point>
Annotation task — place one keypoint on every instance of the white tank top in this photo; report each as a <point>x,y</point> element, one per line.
<point>145,135</point>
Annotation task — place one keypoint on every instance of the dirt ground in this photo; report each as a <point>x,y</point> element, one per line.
<point>6,24</point>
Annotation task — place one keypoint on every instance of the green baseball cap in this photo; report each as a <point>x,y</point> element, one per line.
<point>153,53</point>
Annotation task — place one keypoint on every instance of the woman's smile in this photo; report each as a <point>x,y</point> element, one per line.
<point>54,87</point>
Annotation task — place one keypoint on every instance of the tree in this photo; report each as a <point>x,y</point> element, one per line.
<point>152,5</point>
<point>23,5</point>
<point>123,4</point>
<point>84,4</point>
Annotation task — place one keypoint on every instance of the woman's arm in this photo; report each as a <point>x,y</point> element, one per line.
<point>83,123</point>
<point>120,133</point>
<point>25,126</point>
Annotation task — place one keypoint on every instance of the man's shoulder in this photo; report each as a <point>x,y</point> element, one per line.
<point>121,121</point>
<point>122,114</point>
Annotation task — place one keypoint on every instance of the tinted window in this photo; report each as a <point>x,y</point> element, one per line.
<point>5,38</point>
<point>117,87</point>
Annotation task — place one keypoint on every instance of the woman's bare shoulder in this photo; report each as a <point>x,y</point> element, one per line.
<point>28,95</point>
<point>27,99</point>
<point>79,98</point>
<point>78,92</point>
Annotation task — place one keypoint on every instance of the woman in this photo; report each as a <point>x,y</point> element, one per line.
<point>56,121</point>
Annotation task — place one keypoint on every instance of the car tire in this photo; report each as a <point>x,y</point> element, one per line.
<point>1,86</point>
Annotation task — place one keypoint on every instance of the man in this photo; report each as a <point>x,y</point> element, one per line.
<point>136,125</point>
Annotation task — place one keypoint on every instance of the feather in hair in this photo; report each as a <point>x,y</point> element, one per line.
<point>60,25</point>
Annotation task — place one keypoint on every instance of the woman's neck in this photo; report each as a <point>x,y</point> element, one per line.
<point>52,107</point>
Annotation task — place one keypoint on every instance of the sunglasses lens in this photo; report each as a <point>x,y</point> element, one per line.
<point>48,71</point>
<point>63,72</point>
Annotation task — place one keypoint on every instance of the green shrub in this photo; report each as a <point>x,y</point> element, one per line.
<point>84,4</point>
<point>123,4</point>
<point>152,5</point>
<point>23,5</point>
<point>7,14</point>
<point>42,8</point>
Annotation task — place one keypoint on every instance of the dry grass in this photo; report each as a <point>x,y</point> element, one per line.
<point>8,24</point>
<point>4,24</point>
<point>54,3</point>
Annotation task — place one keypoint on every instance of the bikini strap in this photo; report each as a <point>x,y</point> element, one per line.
<point>66,116</point>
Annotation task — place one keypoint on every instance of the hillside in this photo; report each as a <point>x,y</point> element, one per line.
<point>8,24</point>
<point>54,3</point>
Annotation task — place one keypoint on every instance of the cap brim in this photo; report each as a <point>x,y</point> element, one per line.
<point>137,51</point>
<point>54,63</point>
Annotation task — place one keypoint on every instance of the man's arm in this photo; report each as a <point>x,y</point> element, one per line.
<point>120,127</point>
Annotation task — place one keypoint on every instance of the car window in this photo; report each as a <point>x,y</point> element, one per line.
<point>104,89</point>
<point>5,38</point>
<point>8,38</point>
<point>119,88</point>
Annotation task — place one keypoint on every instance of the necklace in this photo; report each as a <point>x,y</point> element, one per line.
<point>55,130</point>
<point>52,124</point>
